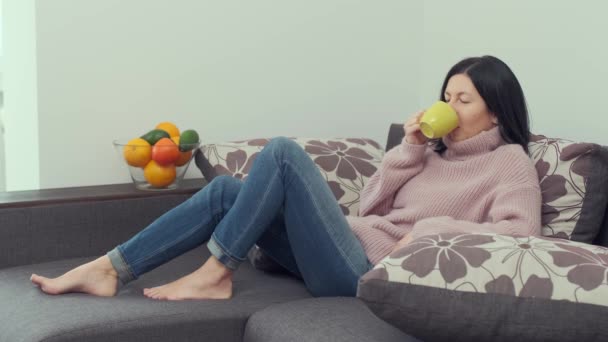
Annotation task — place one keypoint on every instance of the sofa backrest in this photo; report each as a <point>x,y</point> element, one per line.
<point>574,184</point>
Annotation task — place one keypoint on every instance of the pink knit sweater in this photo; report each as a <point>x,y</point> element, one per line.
<point>477,185</point>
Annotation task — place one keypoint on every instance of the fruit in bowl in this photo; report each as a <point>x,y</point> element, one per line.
<point>158,160</point>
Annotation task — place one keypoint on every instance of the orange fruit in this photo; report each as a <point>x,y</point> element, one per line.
<point>158,175</point>
<point>137,152</point>
<point>168,127</point>
<point>184,157</point>
<point>165,152</point>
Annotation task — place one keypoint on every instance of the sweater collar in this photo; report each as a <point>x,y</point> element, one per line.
<point>484,142</point>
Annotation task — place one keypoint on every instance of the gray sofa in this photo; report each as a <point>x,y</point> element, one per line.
<point>50,231</point>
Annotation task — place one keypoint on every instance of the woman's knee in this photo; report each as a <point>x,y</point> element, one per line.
<point>227,185</point>
<point>285,147</point>
<point>221,190</point>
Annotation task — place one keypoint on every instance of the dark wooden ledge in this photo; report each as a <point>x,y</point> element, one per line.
<point>15,199</point>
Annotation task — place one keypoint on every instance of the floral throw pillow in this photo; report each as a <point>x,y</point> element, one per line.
<point>509,286</point>
<point>345,163</point>
<point>573,184</point>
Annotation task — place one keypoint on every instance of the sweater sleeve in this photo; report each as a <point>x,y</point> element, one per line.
<point>514,212</point>
<point>398,166</point>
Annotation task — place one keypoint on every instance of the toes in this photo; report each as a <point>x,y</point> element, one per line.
<point>159,293</point>
<point>152,293</point>
<point>38,280</point>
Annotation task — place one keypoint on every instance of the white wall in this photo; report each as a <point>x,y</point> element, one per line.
<point>236,69</point>
<point>2,159</point>
<point>557,50</point>
<point>1,38</point>
<point>230,69</point>
<point>20,95</point>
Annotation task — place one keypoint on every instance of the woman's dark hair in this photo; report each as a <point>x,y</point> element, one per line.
<point>500,90</point>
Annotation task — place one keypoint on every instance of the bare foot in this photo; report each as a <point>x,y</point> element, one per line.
<point>212,281</point>
<point>97,277</point>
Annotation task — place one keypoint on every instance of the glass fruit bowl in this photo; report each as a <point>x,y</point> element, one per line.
<point>157,167</point>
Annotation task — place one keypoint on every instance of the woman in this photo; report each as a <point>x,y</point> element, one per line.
<point>477,179</point>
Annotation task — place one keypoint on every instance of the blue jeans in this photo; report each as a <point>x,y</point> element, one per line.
<point>285,207</point>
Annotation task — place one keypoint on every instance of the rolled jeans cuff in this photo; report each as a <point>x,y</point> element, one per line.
<point>122,268</point>
<point>222,256</point>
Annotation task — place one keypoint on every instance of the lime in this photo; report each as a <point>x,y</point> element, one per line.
<point>188,140</point>
<point>155,135</point>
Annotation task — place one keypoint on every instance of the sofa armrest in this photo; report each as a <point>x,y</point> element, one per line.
<point>46,225</point>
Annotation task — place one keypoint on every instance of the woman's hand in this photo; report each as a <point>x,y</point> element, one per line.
<point>402,243</point>
<point>413,135</point>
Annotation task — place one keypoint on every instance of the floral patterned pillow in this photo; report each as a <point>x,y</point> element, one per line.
<point>514,283</point>
<point>345,163</point>
<point>573,183</point>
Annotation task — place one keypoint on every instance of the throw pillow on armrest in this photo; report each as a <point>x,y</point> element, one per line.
<point>487,286</point>
<point>574,183</point>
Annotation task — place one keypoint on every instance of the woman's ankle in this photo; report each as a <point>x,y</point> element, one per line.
<point>104,264</point>
<point>216,270</point>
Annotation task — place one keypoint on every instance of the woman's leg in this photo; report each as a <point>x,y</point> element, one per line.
<point>283,178</point>
<point>179,230</point>
<point>315,236</point>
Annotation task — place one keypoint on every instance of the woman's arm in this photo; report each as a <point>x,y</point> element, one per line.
<point>398,166</point>
<point>516,211</point>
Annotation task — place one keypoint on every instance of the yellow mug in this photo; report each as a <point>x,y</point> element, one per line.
<point>438,121</point>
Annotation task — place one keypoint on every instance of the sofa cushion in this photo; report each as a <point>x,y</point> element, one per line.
<point>346,163</point>
<point>574,182</point>
<point>482,286</point>
<point>335,319</point>
<point>27,314</point>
